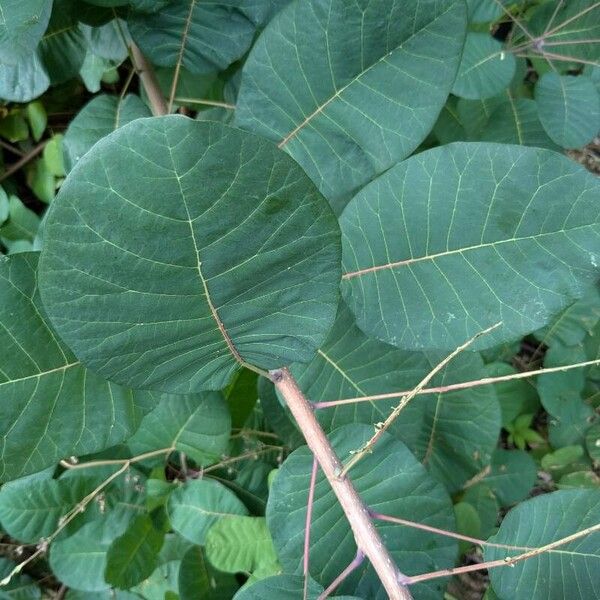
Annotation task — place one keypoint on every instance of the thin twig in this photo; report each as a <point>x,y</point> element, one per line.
<point>356,562</point>
<point>11,148</point>
<point>309,509</point>
<point>571,19</point>
<point>25,159</point>
<point>504,562</point>
<point>116,461</point>
<point>452,387</point>
<point>205,102</point>
<point>381,427</point>
<point>366,535</point>
<point>248,455</point>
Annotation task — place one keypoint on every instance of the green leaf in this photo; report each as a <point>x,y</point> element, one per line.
<point>454,434</point>
<point>53,156</point>
<point>203,37</point>
<point>569,108</point>
<point>241,269</point>
<point>512,476</point>
<point>561,458</point>
<point>467,523</point>
<point>349,89</point>
<point>20,587</point>
<point>22,25</point>
<point>516,121</point>
<point>483,11</point>
<point>198,580</point>
<point>421,282</point>
<point>516,397</point>
<point>44,386</point>
<point>198,425</point>
<point>30,511</point>
<point>196,506</point>
<point>13,127</point>
<point>241,545</point>
<point>485,69</point>
<point>578,480</point>
<point>23,81</point>
<point>134,555</point>
<point>41,181</point>
<point>390,481</point>
<point>99,117</point>
<point>241,396</point>
<point>449,128</point>
<point>38,119</point>
<point>592,442</point>
<point>107,41</point>
<point>482,498</point>
<point>92,72</point>
<point>63,46</point>
<point>79,561</point>
<point>568,571</point>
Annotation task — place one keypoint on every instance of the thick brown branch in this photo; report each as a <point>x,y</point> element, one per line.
<point>148,79</point>
<point>366,535</point>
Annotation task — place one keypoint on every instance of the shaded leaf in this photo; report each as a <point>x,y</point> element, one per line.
<point>25,80</point>
<point>569,109</point>
<point>133,556</point>
<point>197,424</point>
<point>485,69</point>
<point>196,506</point>
<point>242,269</point>
<point>512,476</point>
<point>199,581</point>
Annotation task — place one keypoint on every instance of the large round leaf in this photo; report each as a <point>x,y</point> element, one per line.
<point>44,387</point>
<point>23,81</point>
<point>459,238</point>
<point>390,481</point>
<point>22,24</point>
<point>569,571</point>
<point>211,248</point>
<point>454,434</point>
<point>569,108</point>
<point>350,88</point>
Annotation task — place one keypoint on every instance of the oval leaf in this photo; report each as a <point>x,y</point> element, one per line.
<point>514,240</point>
<point>348,89</point>
<point>217,252</point>
<point>570,570</point>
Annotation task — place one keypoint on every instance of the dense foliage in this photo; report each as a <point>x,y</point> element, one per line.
<point>380,195</point>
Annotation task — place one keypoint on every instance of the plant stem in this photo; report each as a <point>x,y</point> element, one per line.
<point>148,79</point>
<point>367,538</point>
<point>381,427</point>
<point>356,562</point>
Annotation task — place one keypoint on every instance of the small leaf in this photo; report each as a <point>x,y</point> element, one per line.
<point>53,156</point>
<point>467,523</point>
<point>196,506</point>
<point>512,476</point>
<point>38,119</point>
<point>561,458</point>
<point>134,555</point>
<point>485,69</point>
<point>197,424</point>
<point>241,545</point>
<point>198,580</point>
<point>567,571</point>
<point>482,498</point>
<point>569,109</point>
<point>578,480</point>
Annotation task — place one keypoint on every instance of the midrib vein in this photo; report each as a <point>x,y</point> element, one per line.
<point>337,94</point>
<point>408,261</point>
<point>41,374</point>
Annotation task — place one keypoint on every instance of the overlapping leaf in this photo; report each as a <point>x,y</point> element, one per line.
<point>459,238</point>
<point>44,387</point>
<point>220,251</point>
<point>390,481</point>
<point>569,571</point>
<point>348,89</point>
<point>454,433</point>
